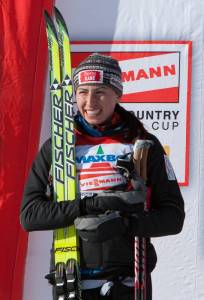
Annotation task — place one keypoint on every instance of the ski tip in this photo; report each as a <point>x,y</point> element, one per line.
<point>57,12</point>
<point>60,19</point>
<point>49,23</point>
<point>47,15</point>
<point>48,19</point>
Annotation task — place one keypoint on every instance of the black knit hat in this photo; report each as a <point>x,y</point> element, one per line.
<point>98,68</point>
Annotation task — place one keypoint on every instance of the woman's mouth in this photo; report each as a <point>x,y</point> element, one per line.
<point>92,112</point>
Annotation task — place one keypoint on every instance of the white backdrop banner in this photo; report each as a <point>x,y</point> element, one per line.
<point>157,87</point>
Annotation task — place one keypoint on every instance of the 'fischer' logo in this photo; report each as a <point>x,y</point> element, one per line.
<point>69,136</point>
<point>58,138</point>
<point>67,249</point>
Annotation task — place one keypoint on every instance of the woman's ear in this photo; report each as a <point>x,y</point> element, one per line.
<point>118,98</point>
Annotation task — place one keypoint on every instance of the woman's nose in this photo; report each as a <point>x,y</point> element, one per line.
<point>91,98</point>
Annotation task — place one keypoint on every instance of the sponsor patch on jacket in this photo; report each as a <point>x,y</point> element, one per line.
<point>96,166</point>
<point>169,169</point>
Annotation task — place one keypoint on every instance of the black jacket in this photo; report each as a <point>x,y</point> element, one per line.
<point>166,216</point>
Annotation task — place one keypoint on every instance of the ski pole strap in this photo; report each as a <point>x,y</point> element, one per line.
<point>106,288</point>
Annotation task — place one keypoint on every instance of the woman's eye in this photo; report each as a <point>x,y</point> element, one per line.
<point>100,93</point>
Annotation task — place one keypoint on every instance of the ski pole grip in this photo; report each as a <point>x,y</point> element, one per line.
<point>140,154</point>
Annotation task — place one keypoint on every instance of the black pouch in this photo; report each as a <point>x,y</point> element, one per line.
<point>100,228</point>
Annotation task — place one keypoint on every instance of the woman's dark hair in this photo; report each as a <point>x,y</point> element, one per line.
<point>134,128</point>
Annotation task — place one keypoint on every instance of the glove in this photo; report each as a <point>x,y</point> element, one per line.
<point>127,202</point>
<point>126,167</point>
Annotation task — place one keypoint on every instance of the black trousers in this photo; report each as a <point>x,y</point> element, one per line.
<point>117,292</point>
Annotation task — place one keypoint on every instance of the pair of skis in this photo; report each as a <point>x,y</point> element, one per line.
<point>66,244</point>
